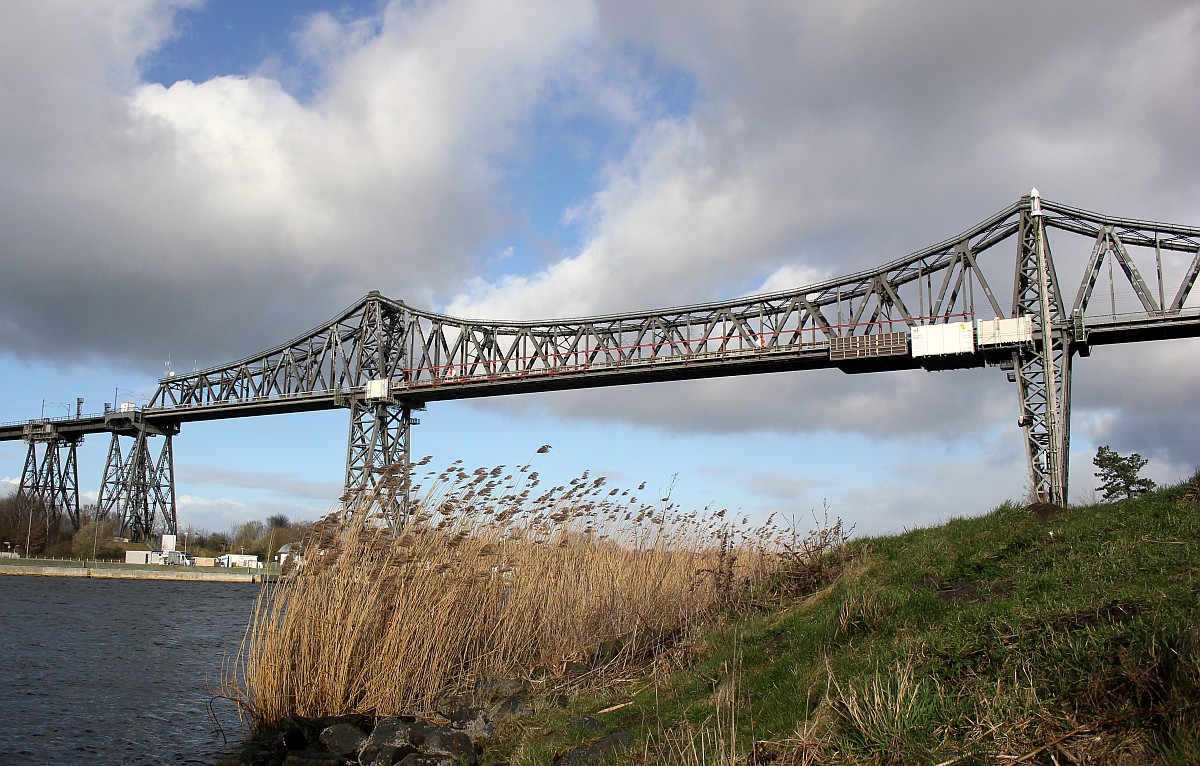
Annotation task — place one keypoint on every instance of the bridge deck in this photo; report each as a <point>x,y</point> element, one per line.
<point>934,309</point>
<point>427,357</point>
<point>1100,331</point>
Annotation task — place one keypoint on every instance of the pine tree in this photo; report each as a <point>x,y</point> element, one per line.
<point>1119,474</point>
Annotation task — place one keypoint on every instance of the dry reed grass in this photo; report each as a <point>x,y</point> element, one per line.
<point>490,578</point>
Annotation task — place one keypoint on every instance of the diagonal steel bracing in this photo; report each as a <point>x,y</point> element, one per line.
<point>139,488</point>
<point>383,360</point>
<point>51,481</point>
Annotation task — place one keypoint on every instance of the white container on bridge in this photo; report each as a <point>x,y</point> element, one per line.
<point>380,388</point>
<point>1004,332</point>
<point>943,339</point>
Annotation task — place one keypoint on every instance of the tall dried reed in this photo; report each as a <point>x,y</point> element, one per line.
<point>489,578</point>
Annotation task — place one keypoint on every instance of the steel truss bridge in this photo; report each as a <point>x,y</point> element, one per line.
<point>939,308</point>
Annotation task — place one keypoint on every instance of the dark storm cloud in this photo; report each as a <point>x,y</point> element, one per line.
<point>1142,398</point>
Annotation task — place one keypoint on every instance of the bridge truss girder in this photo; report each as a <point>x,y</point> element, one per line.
<point>420,356</point>
<point>424,356</point>
<point>427,356</point>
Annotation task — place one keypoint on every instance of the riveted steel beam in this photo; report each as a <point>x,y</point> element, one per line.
<point>424,356</point>
<point>52,481</point>
<point>138,487</point>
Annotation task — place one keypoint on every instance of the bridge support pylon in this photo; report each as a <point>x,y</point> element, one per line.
<point>53,479</point>
<point>378,467</point>
<point>139,487</point>
<point>1043,368</point>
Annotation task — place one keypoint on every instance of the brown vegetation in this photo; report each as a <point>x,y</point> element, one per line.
<point>28,523</point>
<point>489,581</point>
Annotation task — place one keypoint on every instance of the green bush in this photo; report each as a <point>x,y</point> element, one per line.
<point>95,541</point>
<point>1119,474</point>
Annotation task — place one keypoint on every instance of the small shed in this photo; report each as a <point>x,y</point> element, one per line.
<point>289,551</point>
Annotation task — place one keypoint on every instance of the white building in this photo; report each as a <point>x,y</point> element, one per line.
<point>239,560</point>
<point>290,551</point>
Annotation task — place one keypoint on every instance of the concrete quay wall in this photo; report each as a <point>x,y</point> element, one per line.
<point>173,573</point>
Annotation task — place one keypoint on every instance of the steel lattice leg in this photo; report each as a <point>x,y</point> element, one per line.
<point>377,459</point>
<point>113,483</point>
<point>29,493</point>
<point>163,486</point>
<point>1046,421</point>
<point>1043,368</point>
<point>139,488</point>
<point>53,481</point>
<point>69,481</point>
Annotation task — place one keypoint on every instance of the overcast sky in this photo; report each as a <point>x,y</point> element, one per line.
<point>196,182</point>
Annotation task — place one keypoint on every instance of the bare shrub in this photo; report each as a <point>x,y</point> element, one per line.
<point>1191,492</point>
<point>810,561</point>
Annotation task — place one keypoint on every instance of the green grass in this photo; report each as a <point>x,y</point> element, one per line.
<point>1012,637</point>
<point>36,562</point>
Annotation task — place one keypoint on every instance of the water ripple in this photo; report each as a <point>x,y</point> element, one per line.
<point>116,671</point>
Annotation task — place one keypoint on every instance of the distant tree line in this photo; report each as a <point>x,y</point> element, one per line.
<point>26,522</point>
<point>260,538</point>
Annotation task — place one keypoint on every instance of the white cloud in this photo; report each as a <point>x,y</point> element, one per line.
<point>670,227</point>
<point>830,139</point>
<point>327,41</point>
<point>193,502</point>
<point>288,488</point>
<point>203,202</point>
<point>211,513</point>
<point>790,276</point>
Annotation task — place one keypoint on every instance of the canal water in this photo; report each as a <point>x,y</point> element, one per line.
<point>117,671</point>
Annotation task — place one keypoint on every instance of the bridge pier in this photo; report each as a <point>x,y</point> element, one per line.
<point>377,448</point>
<point>137,486</point>
<point>1043,369</point>
<point>378,456</point>
<point>1046,420</point>
<point>53,480</point>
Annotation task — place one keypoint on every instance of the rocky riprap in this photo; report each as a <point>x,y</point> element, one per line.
<point>346,740</point>
<point>362,740</point>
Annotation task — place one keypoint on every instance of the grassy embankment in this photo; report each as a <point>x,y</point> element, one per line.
<point>1016,637</point>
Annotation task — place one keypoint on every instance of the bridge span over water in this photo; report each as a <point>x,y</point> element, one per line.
<point>995,295</point>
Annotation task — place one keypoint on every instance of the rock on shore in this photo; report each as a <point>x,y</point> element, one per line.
<point>361,740</point>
